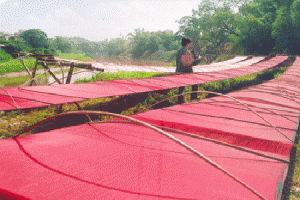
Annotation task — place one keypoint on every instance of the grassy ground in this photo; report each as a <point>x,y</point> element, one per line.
<point>7,66</point>
<point>41,78</point>
<point>13,81</point>
<point>292,184</point>
<point>17,66</point>
<point>72,56</point>
<point>106,76</point>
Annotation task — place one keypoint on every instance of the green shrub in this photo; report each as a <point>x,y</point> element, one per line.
<point>4,56</point>
<point>14,47</point>
<point>16,65</point>
<point>47,51</point>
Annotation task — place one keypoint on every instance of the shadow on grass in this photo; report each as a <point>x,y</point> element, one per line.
<point>293,158</point>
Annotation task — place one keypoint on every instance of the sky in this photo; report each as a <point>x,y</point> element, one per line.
<point>94,20</point>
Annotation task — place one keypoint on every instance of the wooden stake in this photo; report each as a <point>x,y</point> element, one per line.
<point>70,73</point>
<point>33,73</point>
<point>44,64</point>
<point>25,67</point>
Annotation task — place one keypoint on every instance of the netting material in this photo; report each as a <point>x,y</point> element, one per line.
<point>59,94</point>
<point>115,160</point>
<point>126,161</point>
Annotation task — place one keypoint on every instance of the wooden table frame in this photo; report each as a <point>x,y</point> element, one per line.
<point>46,60</point>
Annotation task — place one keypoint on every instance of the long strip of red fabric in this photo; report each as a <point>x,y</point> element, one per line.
<point>40,96</point>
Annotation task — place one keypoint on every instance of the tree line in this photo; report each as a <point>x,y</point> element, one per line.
<point>139,44</point>
<point>256,27</point>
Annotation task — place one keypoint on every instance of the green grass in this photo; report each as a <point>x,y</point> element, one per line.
<point>294,177</point>
<point>72,56</point>
<point>41,78</point>
<point>17,66</point>
<point>5,57</point>
<point>120,75</point>
<point>7,64</point>
<point>15,81</point>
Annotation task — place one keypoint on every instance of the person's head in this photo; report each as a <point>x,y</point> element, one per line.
<point>185,42</point>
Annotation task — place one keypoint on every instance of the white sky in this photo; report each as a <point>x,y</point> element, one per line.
<point>93,19</point>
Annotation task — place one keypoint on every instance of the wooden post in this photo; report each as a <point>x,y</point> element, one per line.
<point>33,73</point>
<point>53,75</point>
<point>25,67</point>
<point>70,73</point>
<point>60,109</point>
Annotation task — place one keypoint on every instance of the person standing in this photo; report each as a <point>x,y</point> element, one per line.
<point>184,64</point>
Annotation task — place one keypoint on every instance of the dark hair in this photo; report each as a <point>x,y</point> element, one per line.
<point>185,41</point>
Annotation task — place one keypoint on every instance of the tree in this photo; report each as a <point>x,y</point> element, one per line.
<point>143,42</point>
<point>116,46</point>
<point>296,28</point>
<point>59,43</point>
<point>283,29</point>
<point>255,36</point>
<point>259,27</point>
<point>211,25</point>
<point>35,38</point>
<point>167,40</point>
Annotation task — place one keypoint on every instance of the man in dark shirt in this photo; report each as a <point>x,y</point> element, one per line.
<point>185,60</point>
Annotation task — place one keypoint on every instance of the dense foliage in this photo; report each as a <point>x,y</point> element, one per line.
<point>258,27</point>
<point>35,38</point>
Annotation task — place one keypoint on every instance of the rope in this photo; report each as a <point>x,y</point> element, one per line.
<point>73,74</point>
<point>208,139</point>
<point>189,148</point>
<point>220,117</point>
<point>278,88</point>
<point>33,79</point>
<point>16,105</point>
<point>105,82</point>
<point>219,94</point>
<point>256,106</point>
<point>286,96</point>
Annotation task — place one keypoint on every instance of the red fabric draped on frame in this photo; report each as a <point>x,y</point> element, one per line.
<point>40,96</point>
<point>115,160</point>
<point>126,161</point>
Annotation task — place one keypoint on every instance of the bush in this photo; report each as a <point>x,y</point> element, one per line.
<point>47,51</point>
<point>4,56</point>
<point>9,46</point>
<point>14,47</point>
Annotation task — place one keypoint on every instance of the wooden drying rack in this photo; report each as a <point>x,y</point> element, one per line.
<point>46,60</point>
